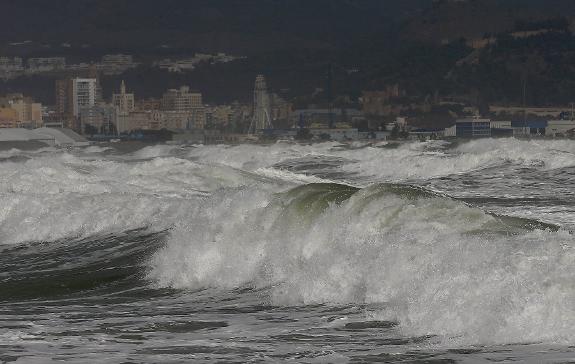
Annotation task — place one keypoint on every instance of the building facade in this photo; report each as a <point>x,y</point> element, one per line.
<point>380,103</point>
<point>37,65</point>
<point>180,104</point>
<point>27,113</point>
<point>73,96</point>
<point>181,99</point>
<point>8,118</point>
<point>63,110</point>
<point>161,119</point>
<point>99,119</point>
<point>148,104</point>
<point>11,67</point>
<point>84,94</point>
<point>562,128</point>
<point>123,101</point>
<point>473,128</point>
<point>115,64</point>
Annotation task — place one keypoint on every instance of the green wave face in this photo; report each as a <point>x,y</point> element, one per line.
<point>304,204</point>
<point>308,201</point>
<point>76,267</point>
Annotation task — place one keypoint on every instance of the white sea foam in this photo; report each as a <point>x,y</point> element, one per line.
<point>407,161</point>
<point>439,266</point>
<point>422,259</point>
<point>60,195</point>
<point>154,151</point>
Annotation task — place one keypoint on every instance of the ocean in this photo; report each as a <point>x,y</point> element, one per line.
<point>431,252</point>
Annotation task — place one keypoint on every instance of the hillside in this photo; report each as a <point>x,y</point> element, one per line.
<point>422,45</point>
<point>471,19</point>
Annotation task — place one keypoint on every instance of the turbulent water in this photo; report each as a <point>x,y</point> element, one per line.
<point>422,252</point>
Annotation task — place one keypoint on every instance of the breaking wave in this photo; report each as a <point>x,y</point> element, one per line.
<point>398,162</point>
<point>61,195</point>
<point>434,265</point>
<point>271,217</point>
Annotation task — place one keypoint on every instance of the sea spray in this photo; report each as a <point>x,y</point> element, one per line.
<point>440,266</point>
<point>261,256</point>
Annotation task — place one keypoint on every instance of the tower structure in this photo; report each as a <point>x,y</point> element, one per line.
<point>123,101</point>
<point>262,110</point>
<point>124,104</point>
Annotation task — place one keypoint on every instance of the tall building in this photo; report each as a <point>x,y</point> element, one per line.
<point>93,72</point>
<point>84,91</point>
<point>123,101</point>
<point>262,111</point>
<point>63,102</point>
<point>181,99</point>
<point>73,96</point>
<point>124,104</point>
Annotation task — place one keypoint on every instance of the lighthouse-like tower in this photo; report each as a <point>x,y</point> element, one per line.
<point>262,110</point>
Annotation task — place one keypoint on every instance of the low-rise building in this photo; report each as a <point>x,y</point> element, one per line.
<point>501,129</point>
<point>473,128</point>
<point>8,118</point>
<point>557,128</point>
<point>161,119</point>
<point>115,64</point>
<point>27,112</point>
<point>46,64</point>
<point>500,124</point>
<point>426,134</point>
<point>335,134</point>
<point>307,117</point>
<point>380,102</point>
<point>99,119</point>
<point>529,127</point>
<point>539,112</point>
<point>450,132</point>
<point>11,67</point>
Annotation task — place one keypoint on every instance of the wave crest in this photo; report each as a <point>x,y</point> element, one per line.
<point>437,265</point>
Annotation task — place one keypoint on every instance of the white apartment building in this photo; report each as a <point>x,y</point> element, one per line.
<point>84,91</point>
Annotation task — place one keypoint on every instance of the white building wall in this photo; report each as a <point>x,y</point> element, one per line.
<point>451,131</point>
<point>555,127</point>
<point>84,94</point>
<point>501,125</point>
